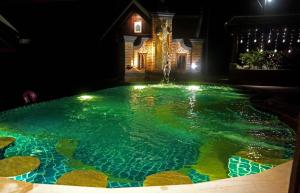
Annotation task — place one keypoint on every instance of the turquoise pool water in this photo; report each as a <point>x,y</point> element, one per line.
<point>206,132</point>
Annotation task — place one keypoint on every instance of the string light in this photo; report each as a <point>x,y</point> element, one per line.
<point>284,35</point>
<point>291,42</point>
<point>281,39</point>
<point>255,40</point>
<point>248,40</point>
<point>276,41</point>
<point>270,36</point>
<point>262,42</point>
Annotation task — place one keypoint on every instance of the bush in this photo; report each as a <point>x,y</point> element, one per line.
<point>265,60</point>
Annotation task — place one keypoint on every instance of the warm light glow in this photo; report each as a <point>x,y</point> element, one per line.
<point>139,87</point>
<point>136,59</point>
<point>194,66</point>
<point>193,88</point>
<point>85,97</point>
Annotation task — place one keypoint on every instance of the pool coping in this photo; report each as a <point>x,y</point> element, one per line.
<point>270,181</point>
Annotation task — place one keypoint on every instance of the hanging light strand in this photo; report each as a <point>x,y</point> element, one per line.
<point>291,41</point>
<point>262,42</point>
<point>284,35</point>
<point>248,40</point>
<point>270,36</point>
<point>255,32</point>
<point>242,40</point>
<point>276,41</point>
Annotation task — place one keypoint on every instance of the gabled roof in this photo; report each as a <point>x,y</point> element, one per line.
<point>129,6</point>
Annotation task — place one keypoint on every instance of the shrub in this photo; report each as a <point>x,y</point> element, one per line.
<point>265,60</point>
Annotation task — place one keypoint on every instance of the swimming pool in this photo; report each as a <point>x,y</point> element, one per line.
<point>205,132</point>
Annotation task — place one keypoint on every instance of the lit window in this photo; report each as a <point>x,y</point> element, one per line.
<point>138,27</point>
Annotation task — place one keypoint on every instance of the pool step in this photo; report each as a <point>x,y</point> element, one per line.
<point>167,178</point>
<point>5,142</point>
<point>17,167</point>
<point>90,178</point>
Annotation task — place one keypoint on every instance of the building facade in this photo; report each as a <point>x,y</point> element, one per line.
<point>151,53</point>
<point>150,42</point>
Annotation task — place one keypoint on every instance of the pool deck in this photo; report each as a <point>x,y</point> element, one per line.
<point>275,180</point>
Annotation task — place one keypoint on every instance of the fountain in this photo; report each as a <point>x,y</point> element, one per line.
<point>166,72</point>
<point>164,37</point>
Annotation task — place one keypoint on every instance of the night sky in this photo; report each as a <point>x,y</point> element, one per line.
<point>30,16</point>
<point>65,33</point>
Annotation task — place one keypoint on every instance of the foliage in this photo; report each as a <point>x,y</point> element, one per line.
<point>261,60</point>
<point>252,59</point>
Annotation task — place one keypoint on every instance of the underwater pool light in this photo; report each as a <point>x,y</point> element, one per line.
<point>194,88</point>
<point>85,97</point>
<point>139,87</point>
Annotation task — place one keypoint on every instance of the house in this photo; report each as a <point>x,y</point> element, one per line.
<point>151,42</point>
